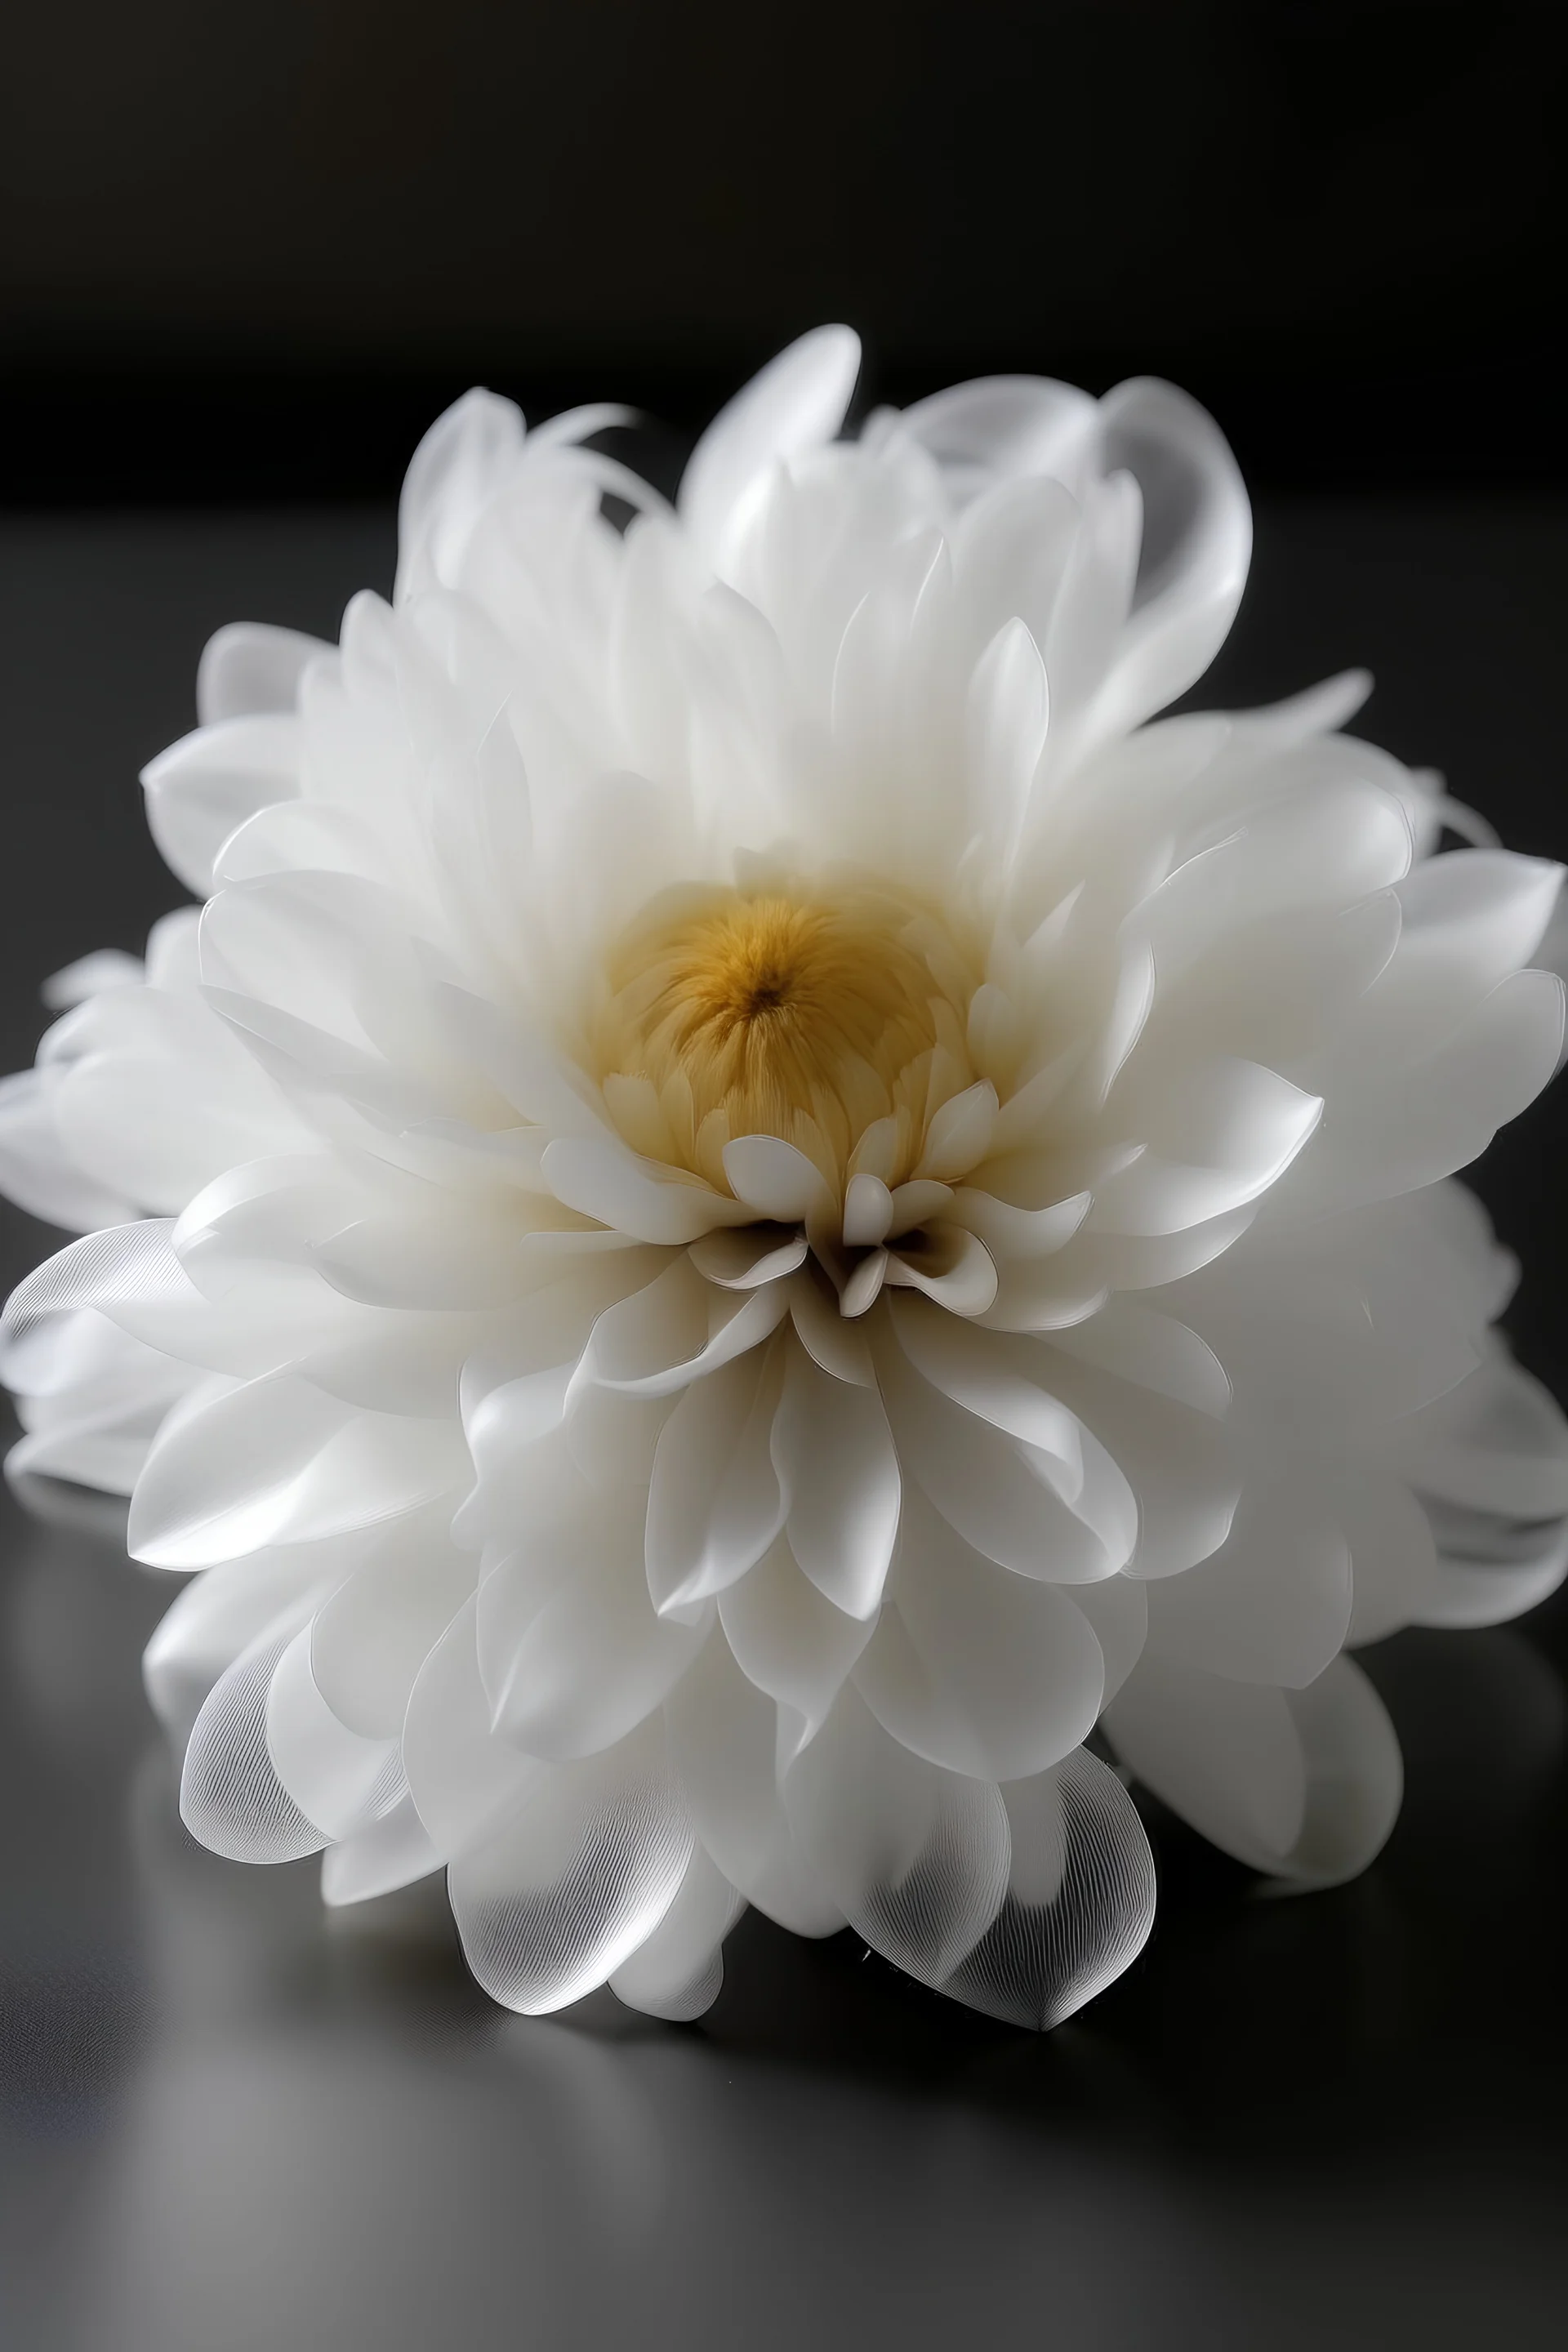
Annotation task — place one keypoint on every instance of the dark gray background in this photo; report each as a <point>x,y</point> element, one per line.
<point>230,2123</point>
<point>254,249</point>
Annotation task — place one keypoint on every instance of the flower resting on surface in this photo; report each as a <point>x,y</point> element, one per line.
<point>761,1228</point>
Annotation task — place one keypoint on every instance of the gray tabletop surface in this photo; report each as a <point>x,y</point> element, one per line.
<point>229,2123</point>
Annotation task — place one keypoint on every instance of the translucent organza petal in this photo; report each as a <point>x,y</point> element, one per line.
<point>575,1879</point>
<point>1080,1902</point>
<point>231,1797</point>
<point>725,1739</point>
<point>678,1971</point>
<point>219,1614</point>
<point>917,1858</point>
<point>463,1779</point>
<point>339,1782</point>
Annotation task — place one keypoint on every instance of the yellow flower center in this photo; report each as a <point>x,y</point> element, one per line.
<point>811,1017</point>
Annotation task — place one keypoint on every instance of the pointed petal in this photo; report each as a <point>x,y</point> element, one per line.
<point>835,1457</point>
<point>794,405</point>
<point>1080,1902</point>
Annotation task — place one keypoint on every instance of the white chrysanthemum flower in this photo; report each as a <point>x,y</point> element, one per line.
<point>753,1210</point>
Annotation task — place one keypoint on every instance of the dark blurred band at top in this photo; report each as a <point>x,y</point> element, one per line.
<point>250,251</point>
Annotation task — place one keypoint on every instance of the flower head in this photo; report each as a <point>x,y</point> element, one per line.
<point>758,1204</point>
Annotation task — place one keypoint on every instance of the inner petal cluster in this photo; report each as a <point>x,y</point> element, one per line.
<point>835,1023</point>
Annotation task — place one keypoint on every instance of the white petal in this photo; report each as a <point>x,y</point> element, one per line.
<point>1282,988</point>
<point>974,1668</point>
<point>1342,839</point>
<point>339,1780</point>
<point>678,1329</point>
<point>678,1971</point>
<point>1197,537</point>
<point>220,1614</point>
<point>1305,1784</point>
<point>248,667</point>
<point>131,1266</point>
<point>715,1503</point>
<point>392,1852</point>
<point>1066,1289</point>
<point>1219,1133</point>
<point>1080,1902</point>
<point>1496,1442</point>
<point>1490,1589</point>
<point>231,1797</point>
<point>1090,613</point>
<point>787,1638</point>
<point>868,1212</point>
<point>864,1287</point>
<point>990,1376</point>
<point>1183,1467</point>
<point>834,1459</point>
<point>466,455</point>
<point>206,786</point>
<point>796,401</point>
<point>541,1084</point>
<point>725,1738</point>
<point>1016,1502</point>
<point>89,975</point>
<point>1393,1560</point>
<point>1014,426</point>
<point>916,1858</point>
<point>1154,1350</point>
<point>1273,1603</point>
<point>773,1179</point>
<point>371,1635</point>
<point>575,1879</point>
<point>743,1257</point>
<point>1117,1609</point>
<point>1012,1232</point>
<point>960,1135</point>
<point>829,1337</point>
<point>600,1177</point>
<point>275,1461</point>
<point>1005,725</point>
<point>951,1266</point>
<point>1476,914</point>
<point>570,1652</point>
<point>463,1779</point>
<point>919,1202</point>
<point>35,1170</point>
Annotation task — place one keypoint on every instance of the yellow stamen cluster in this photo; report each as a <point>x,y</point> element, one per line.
<point>817,1018</point>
